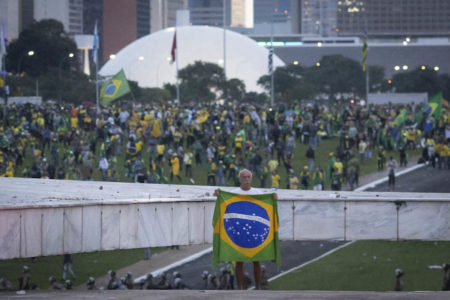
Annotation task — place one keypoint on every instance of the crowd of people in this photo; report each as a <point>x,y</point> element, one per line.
<point>211,144</point>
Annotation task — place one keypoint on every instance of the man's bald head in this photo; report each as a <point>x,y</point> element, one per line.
<point>245,179</point>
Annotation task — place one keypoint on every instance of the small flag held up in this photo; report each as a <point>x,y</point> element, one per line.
<point>365,49</point>
<point>114,88</point>
<point>95,46</point>
<point>270,62</point>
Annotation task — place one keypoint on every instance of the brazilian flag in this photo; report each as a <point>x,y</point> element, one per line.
<point>245,228</point>
<point>436,106</point>
<point>114,88</point>
<point>401,118</point>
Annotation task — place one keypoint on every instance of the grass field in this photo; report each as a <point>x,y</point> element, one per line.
<point>84,265</point>
<point>370,266</point>
<point>200,172</point>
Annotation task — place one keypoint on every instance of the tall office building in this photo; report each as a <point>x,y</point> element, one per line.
<point>75,17</point>
<point>163,13</point>
<point>266,11</point>
<point>10,21</point>
<point>68,12</point>
<point>319,17</point>
<point>384,18</point>
<point>143,18</point>
<point>296,16</point>
<point>27,13</point>
<point>208,12</point>
<point>124,21</point>
<point>239,13</point>
<point>276,16</point>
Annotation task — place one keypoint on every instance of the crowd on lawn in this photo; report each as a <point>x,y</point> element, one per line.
<point>153,141</point>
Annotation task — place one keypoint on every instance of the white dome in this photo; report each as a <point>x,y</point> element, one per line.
<point>147,60</point>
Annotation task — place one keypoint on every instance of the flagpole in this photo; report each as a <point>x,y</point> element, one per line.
<point>366,38</point>
<point>95,59</point>
<point>367,86</point>
<point>225,48</point>
<point>176,63</point>
<point>224,40</point>
<point>5,89</point>
<point>271,70</point>
<point>3,70</point>
<point>96,90</point>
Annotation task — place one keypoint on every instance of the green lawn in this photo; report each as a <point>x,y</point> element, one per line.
<point>84,265</point>
<point>200,172</point>
<point>370,266</point>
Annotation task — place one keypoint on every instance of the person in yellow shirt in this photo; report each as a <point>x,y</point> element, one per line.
<point>74,123</point>
<point>275,181</point>
<point>339,166</point>
<point>238,143</point>
<point>293,180</point>
<point>304,178</point>
<point>160,148</point>
<point>139,145</point>
<point>273,164</point>
<point>445,155</point>
<point>156,129</point>
<point>9,170</point>
<point>175,167</point>
<point>212,171</point>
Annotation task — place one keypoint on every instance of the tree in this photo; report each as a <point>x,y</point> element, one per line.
<point>377,79</point>
<point>291,84</point>
<point>201,82</point>
<point>444,81</point>
<point>235,89</point>
<point>255,98</point>
<point>50,44</point>
<point>339,74</point>
<point>418,81</point>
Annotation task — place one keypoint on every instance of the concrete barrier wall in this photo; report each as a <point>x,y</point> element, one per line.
<point>41,217</point>
<point>28,232</point>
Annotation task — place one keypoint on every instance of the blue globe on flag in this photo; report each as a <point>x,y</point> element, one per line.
<point>246,223</point>
<point>110,89</point>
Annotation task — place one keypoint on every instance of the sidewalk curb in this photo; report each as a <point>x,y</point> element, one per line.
<point>384,179</point>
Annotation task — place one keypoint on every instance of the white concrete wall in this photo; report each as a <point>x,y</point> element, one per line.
<point>49,217</point>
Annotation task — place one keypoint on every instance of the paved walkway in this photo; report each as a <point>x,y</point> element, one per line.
<point>368,178</point>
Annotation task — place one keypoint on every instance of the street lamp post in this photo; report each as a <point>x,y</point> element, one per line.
<point>71,55</point>
<point>19,65</point>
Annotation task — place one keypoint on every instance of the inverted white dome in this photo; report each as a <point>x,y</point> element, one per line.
<point>147,60</point>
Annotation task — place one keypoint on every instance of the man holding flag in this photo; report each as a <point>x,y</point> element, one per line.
<point>245,228</point>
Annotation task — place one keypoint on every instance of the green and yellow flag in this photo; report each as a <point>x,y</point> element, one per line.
<point>436,106</point>
<point>365,49</point>
<point>401,118</point>
<point>114,88</point>
<point>245,228</point>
